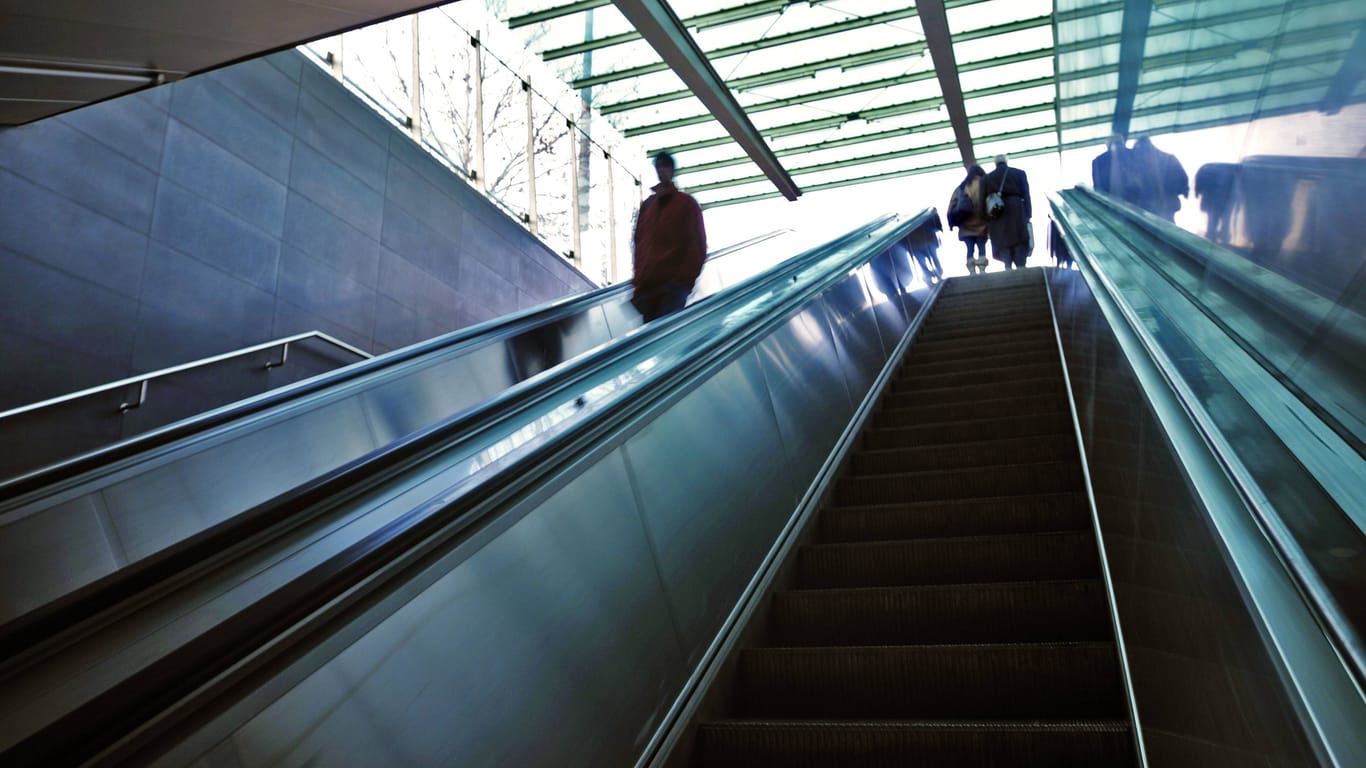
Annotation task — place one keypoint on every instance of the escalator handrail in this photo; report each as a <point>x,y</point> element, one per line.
<point>19,635</point>
<point>490,331</point>
<point>1318,598</point>
<point>160,696</point>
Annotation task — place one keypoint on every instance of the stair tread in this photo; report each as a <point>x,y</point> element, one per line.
<point>1069,496</point>
<point>971,538</point>
<point>973,724</point>
<point>1028,583</point>
<point>1061,434</point>
<point>995,468</point>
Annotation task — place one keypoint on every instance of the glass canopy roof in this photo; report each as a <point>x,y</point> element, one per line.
<point>845,91</point>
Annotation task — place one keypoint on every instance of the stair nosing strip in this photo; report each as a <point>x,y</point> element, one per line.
<point>971,538</point>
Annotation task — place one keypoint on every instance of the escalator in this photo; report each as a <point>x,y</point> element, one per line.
<point>837,517</point>
<point>949,609</point>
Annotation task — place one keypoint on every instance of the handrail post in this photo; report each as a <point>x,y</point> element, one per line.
<point>126,406</point>
<point>284,355</point>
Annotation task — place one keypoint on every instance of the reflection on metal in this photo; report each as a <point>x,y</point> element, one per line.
<point>1349,75</point>
<point>1133,37</point>
<point>657,23</point>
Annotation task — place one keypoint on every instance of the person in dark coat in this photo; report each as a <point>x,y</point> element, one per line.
<point>972,227</point>
<point>1163,179</point>
<point>668,246</point>
<point>1011,241</point>
<point>1108,169</point>
<point>1214,184</point>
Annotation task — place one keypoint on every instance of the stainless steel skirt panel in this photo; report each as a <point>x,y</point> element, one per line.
<point>565,638</point>
<point>714,485</point>
<point>549,645</point>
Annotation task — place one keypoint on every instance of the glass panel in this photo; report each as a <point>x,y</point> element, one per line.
<point>553,175</point>
<point>447,91</point>
<point>594,236</point>
<point>378,61</point>
<point>505,132</point>
<point>626,193</point>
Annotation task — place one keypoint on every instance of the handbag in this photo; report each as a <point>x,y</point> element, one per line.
<point>996,204</point>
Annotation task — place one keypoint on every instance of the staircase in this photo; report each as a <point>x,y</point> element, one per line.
<point>950,611</point>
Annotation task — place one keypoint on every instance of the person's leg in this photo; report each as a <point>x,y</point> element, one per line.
<point>1018,255</point>
<point>982,255</point>
<point>647,301</point>
<point>673,297</point>
<point>971,243</point>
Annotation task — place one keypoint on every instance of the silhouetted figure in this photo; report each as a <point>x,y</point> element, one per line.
<point>1161,178</point>
<point>924,245</point>
<point>1214,185</point>
<point>966,212</point>
<point>668,246</point>
<point>1109,169</point>
<point>1009,228</point>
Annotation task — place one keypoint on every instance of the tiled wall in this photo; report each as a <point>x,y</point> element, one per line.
<point>1206,689</point>
<point>248,204</point>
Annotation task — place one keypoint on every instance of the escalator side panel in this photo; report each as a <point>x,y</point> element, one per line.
<point>880,278</point>
<point>856,333</point>
<point>1188,632</point>
<point>715,487</point>
<point>809,393</point>
<point>154,509</point>
<point>548,644</point>
<point>622,318</point>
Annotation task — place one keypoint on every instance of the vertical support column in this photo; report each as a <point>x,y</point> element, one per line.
<point>478,113</point>
<point>533,221</point>
<point>576,255</point>
<point>415,88</point>
<point>336,62</point>
<point>613,274</point>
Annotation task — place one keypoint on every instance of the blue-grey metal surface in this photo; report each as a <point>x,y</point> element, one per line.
<point>856,330</point>
<point>563,639</point>
<point>140,506</point>
<point>1242,631</point>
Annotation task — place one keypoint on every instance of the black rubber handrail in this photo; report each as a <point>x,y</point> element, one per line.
<point>508,326</point>
<point>20,636</point>
<point>368,565</point>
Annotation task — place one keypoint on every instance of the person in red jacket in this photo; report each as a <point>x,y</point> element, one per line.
<point>668,246</point>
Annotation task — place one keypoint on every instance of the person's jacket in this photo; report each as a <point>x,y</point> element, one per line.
<point>975,224</point>
<point>1016,185</point>
<point>669,243</point>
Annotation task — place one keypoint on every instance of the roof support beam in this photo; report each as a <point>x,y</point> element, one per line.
<point>659,26</point>
<point>935,21</point>
<point>1133,39</point>
<point>1351,72</point>
<point>549,14</point>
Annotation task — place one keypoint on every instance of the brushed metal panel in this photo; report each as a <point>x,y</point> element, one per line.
<point>622,318</point>
<point>548,646</point>
<point>855,327</point>
<point>411,400</point>
<point>880,277</point>
<point>52,553</point>
<point>806,383</point>
<point>159,508</point>
<point>715,487</point>
<point>546,346</point>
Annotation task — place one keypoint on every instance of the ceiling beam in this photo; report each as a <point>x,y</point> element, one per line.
<point>1133,39</point>
<point>754,45</point>
<point>719,18</point>
<point>1350,72</point>
<point>659,26</point>
<point>935,21</point>
<point>549,14</point>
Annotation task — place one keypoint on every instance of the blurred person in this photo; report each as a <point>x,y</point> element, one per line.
<point>1109,168</point>
<point>1161,177</point>
<point>967,212</point>
<point>1008,226</point>
<point>1214,184</point>
<point>668,246</point>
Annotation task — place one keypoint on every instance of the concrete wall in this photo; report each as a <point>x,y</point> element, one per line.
<point>232,208</point>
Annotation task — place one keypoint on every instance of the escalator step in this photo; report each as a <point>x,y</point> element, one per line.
<point>974,482</point>
<point>952,560</point>
<point>891,744</point>
<point>911,382</point>
<point>983,453</point>
<point>934,352</point>
<point>985,328</point>
<point>966,431</point>
<point>966,393</point>
<point>1009,315</point>
<point>1022,356</point>
<point>971,517</point>
<point>1011,680</point>
<point>937,412</point>
<point>1016,612</point>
